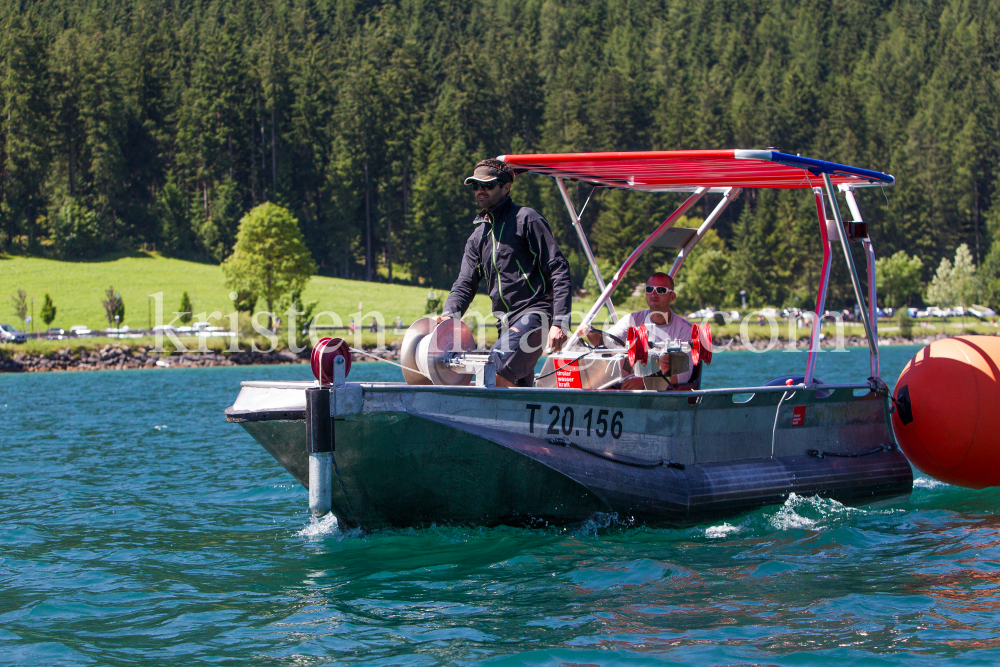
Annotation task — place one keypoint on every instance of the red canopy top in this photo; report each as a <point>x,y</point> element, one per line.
<point>679,171</point>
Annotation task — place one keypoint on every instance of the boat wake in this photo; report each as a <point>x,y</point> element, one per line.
<point>811,513</point>
<point>928,483</point>
<point>714,532</point>
<point>598,523</point>
<point>325,527</point>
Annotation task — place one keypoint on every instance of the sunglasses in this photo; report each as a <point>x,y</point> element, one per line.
<point>476,185</point>
<point>659,290</point>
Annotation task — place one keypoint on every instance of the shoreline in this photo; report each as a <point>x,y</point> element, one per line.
<point>122,356</point>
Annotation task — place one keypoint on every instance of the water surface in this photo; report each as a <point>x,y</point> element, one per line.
<point>137,527</point>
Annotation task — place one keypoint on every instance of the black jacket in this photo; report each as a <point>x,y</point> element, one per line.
<point>513,248</point>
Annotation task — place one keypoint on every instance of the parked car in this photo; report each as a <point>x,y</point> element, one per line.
<point>80,331</point>
<point>727,316</point>
<point>55,334</point>
<point>981,311</point>
<point>9,334</point>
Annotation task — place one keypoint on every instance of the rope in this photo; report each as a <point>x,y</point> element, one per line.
<point>774,430</point>
<point>378,358</point>
<point>850,455</point>
<point>635,463</point>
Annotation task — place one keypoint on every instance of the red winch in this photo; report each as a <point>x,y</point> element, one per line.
<point>323,356</point>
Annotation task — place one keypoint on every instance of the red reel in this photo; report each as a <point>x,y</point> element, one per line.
<point>323,356</point>
<point>695,344</point>
<point>701,343</point>
<point>706,342</point>
<point>638,345</point>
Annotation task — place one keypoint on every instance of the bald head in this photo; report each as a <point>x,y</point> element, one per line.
<point>661,279</point>
<point>660,302</point>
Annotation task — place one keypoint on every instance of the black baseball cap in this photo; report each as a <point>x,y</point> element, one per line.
<point>485,174</point>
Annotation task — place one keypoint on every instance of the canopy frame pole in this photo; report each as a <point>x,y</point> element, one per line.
<point>584,242</point>
<point>632,258</point>
<point>727,198</point>
<point>824,283</point>
<point>866,242</point>
<point>855,281</point>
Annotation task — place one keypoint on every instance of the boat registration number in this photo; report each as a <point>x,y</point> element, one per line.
<point>562,421</point>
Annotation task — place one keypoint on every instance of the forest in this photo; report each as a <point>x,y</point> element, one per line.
<point>158,124</point>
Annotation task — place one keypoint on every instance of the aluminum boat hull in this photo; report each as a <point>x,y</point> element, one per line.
<point>418,456</point>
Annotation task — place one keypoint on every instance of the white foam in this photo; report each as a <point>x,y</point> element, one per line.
<point>928,483</point>
<point>321,527</point>
<point>789,518</point>
<point>713,532</point>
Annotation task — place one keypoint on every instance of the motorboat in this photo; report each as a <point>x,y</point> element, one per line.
<point>449,447</point>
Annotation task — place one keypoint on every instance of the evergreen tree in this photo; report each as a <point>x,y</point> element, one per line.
<point>114,307</point>
<point>751,265</point>
<point>25,128</point>
<point>218,232</point>
<point>175,233</point>
<point>130,122</point>
<point>48,310</point>
<point>186,311</point>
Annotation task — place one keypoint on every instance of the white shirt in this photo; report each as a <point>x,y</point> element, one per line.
<point>676,328</point>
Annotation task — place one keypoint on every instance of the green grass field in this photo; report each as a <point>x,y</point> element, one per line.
<point>77,289</point>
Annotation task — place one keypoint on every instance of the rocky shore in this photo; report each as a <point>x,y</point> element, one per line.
<point>123,356</point>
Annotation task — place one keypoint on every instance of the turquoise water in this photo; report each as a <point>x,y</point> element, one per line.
<point>137,527</point>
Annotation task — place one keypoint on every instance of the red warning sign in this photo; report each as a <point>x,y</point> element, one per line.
<point>799,415</point>
<point>568,375</point>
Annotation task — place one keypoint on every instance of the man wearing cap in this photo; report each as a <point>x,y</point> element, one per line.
<point>512,248</point>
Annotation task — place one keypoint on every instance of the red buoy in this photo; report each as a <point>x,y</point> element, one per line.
<point>947,411</point>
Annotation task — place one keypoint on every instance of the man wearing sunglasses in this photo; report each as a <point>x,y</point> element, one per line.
<point>662,324</point>
<point>512,248</point>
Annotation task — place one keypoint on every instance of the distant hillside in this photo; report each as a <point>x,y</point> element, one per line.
<point>78,288</point>
<point>130,123</point>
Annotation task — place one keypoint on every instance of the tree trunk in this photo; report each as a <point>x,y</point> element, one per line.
<point>72,164</point>
<point>389,235</point>
<point>270,310</point>
<point>274,157</point>
<point>368,229</point>
<point>263,152</point>
<point>975,220</point>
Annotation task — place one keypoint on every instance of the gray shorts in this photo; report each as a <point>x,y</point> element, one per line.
<point>520,347</point>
